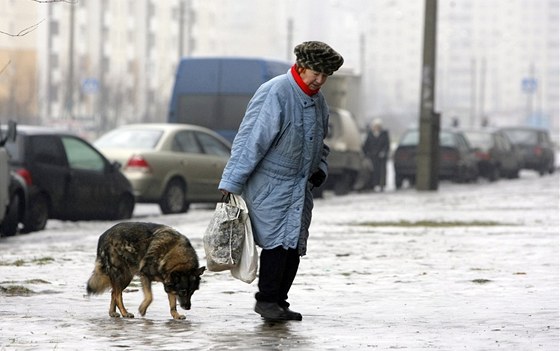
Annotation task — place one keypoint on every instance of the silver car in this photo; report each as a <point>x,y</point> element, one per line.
<point>172,165</point>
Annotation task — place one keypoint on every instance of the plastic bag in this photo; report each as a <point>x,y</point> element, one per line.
<point>225,234</point>
<point>246,270</point>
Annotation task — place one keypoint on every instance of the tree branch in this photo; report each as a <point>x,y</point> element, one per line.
<point>6,66</point>
<point>50,1</point>
<point>23,31</point>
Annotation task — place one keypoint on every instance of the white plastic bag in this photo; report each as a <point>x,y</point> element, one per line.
<point>246,270</point>
<point>225,234</point>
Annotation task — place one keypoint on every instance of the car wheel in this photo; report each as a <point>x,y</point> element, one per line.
<point>343,185</point>
<point>174,198</point>
<point>125,207</point>
<point>398,181</point>
<point>38,214</point>
<point>494,174</point>
<point>9,226</point>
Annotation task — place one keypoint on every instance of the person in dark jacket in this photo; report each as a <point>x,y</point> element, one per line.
<point>376,148</point>
<point>277,157</point>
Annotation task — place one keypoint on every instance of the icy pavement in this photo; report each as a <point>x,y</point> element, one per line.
<point>469,267</point>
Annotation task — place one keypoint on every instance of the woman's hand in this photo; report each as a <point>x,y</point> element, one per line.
<point>224,192</point>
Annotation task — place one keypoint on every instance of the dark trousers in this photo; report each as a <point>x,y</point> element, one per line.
<point>278,268</point>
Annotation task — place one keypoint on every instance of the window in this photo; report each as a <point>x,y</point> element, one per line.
<point>130,139</point>
<point>211,145</point>
<point>82,156</point>
<point>46,150</point>
<point>185,142</point>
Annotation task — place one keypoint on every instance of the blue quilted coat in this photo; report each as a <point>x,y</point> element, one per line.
<point>279,145</point>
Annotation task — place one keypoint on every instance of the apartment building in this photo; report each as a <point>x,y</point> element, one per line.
<point>110,62</point>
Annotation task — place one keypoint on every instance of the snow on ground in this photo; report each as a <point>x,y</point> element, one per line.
<point>467,267</point>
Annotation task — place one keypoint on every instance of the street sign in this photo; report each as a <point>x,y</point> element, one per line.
<point>90,86</point>
<point>529,85</point>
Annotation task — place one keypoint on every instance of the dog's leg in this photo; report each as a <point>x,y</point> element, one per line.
<point>113,306</point>
<point>173,307</point>
<point>116,298</point>
<point>148,297</point>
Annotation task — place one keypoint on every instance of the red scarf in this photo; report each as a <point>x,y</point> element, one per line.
<point>301,84</point>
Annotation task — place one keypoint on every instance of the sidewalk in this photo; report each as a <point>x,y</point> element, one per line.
<point>469,267</point>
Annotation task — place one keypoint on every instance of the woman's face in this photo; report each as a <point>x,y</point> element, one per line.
<point>313,79</point>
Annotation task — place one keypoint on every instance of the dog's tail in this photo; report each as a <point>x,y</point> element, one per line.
<point>99,281</point>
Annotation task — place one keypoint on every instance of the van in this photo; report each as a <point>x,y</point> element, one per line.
<point>213,92</point>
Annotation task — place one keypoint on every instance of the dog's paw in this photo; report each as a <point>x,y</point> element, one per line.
<point>114,314</point>
<point>128,315</point>
<point>178,316</point>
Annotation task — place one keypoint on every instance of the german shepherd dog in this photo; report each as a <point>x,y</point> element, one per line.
<point>154,252</point>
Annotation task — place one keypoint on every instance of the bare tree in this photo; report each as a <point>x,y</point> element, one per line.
<point>31,28</point>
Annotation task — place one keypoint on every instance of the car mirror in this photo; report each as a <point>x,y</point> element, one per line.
<point>12,127</point>
<point>116,165</point>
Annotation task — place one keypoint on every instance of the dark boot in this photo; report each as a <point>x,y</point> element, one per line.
<point>271,311</point>
<point>292,315</point>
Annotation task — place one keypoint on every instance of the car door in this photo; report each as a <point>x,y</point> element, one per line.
<point>89,194</point>
<point>46,161</point>
<point>217,155</point>
<point>504,154</point>
<point>202,163</point>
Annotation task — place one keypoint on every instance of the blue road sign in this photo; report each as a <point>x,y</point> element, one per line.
<point>529,85</point>
<point>90,86</point>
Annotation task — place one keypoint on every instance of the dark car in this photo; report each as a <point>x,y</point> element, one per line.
<point>67,178</point>
<point>497,156</point>
<point>456,162</point>
<point>535,146</point>
<point>13,191</point>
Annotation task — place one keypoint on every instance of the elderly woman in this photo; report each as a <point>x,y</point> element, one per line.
<point>278,156</point>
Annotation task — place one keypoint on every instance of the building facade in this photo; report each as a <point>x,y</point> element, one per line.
<point>105,63</point>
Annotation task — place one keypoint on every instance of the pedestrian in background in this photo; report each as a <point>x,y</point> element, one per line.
<point>376,148</point>
<point>278,156</point>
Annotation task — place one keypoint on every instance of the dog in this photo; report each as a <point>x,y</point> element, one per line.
<point>154,252</point>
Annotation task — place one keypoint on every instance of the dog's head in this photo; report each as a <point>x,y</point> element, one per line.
<point>183,284</point>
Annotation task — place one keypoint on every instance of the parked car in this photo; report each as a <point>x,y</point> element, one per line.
<point>172,165</point>
<point>536,148</point>
<point>497,156</point>
<point>13,191</point>
<point>456,158</point>
<point>349,169</point>
<point>67,178</point>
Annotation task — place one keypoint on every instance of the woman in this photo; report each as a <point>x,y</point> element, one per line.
<point>278,155</point>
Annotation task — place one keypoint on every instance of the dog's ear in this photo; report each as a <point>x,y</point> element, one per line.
<point>172,280</point>
<point>169,288</point>
<point>175,277</point>
<point>200,270</point>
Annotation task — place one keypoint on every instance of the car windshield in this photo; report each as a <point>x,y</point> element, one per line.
<point>411,138</point>
<point>130,139</point>
<point>524,137</point>
<point>480,140</point>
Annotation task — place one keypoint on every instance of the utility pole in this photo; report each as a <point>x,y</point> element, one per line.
<point>191,43</point>
<point>181,28</point>
<point>289,40</point>
<point>427,159</point>
<point>70,77</point>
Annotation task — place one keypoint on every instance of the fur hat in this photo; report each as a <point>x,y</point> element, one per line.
<point>318,56</point>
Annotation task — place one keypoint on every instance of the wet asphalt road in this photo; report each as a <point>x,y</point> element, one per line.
<point>469,267</point>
